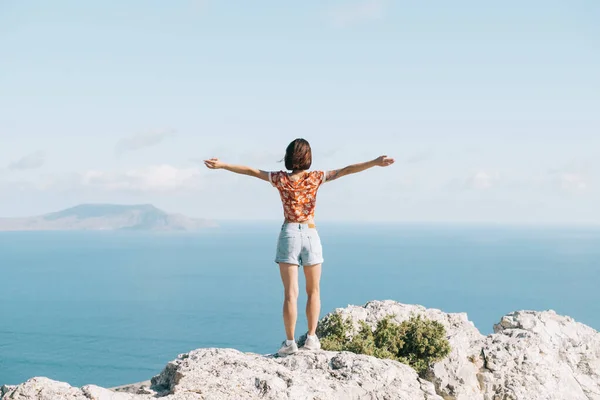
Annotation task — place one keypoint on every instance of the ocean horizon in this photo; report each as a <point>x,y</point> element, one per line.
<point>111,308</point>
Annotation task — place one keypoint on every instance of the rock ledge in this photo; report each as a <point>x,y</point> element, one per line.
<point>530,355</point>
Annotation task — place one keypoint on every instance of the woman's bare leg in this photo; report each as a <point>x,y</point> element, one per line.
<point>289,277</point>
<point>313,303</point>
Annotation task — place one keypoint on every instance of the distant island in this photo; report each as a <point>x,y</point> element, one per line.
<point>109,217</point>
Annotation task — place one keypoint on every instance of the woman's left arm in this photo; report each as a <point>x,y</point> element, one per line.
<point>215,163</point>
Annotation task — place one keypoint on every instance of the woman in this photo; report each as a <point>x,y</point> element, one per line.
<point>299,242</point>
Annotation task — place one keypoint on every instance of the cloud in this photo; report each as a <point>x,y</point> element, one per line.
<point>572,182</point>
<point>31,161</point>
<point>161,178</point>
<point>357,12</point>
<point>480,180</point>
<point>142,141</point>
<point>573,178</point>
<point>158,178</point>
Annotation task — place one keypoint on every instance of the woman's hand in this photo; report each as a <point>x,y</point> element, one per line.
<point>384,161</point>
<point>214,163</point>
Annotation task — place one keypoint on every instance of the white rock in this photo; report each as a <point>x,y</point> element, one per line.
<point>541,355</point>
<point>98,393</point>
<point>230,374</point>
<point>43,389</point>
<point>47,389</point>
<point>215,374</point>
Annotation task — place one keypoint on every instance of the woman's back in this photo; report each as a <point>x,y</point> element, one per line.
<point>298,195</point>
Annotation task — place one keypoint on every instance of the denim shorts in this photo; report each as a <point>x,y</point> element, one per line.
<point>299,245</point>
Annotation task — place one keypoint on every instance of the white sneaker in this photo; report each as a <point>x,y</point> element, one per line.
<point>312,344</point>
<point>286,350</point>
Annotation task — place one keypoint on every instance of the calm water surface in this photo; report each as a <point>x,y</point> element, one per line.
<point>113,308</point>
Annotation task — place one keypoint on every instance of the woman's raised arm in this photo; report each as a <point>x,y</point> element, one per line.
<point>382,161</point>
<point>215,163</point>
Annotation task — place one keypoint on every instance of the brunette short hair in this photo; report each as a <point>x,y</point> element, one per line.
<point>298,155</point>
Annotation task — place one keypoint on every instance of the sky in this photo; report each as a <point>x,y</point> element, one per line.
<point>491,109</point>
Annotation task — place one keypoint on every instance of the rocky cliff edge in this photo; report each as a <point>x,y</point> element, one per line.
<point>530,355</point>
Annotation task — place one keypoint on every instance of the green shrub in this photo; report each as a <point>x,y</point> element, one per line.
<point>333,332</point>
<point>417,342</point>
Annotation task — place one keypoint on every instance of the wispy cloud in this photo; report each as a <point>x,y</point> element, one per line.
<point>571,182</point>
<point>161,178</point>
<point>573,178</point>
<point>31,161</point>
<point>142,141</point>
<point>480,180</point>
<point>357,12</point>
<point>158,178</point>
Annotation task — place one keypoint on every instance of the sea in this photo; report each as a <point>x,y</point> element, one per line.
<point>112,308</point>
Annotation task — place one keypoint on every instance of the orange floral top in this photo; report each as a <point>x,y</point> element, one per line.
<point>299,197</point>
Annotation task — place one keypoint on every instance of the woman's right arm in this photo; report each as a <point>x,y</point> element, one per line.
<point>382,161</point>
<point>215,163</point>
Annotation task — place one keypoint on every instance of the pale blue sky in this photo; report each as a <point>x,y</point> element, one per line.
<point>492,110</point>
